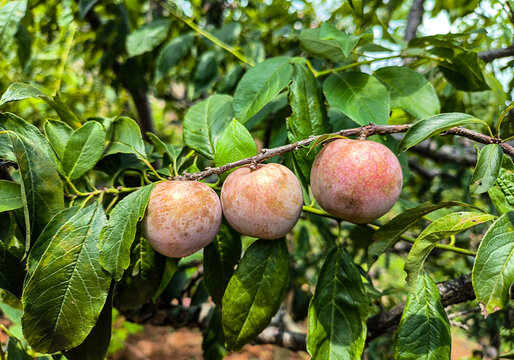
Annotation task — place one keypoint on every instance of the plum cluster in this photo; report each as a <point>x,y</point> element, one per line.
<point>357,181</point>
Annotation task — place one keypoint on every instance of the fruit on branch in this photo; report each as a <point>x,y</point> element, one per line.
<point>264,202</point>
<point>182,217</point>
<point>355,180</point>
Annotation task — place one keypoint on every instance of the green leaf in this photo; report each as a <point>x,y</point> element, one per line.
<point>173,151</point>
<point>126,138</point>
<point>338,310</point>
<point>440,229</point>
<point>493,271</point>
<point>12,273</point>
<point>170,268</point>
<point>205,74</point>
<point>141,280</point>
<point>260,85</point>
<point>433,125</point>
<point>345,41</point>
<point>58,133</point>
<point>147,37</point>
<point>311,42</point>
<point>171,54</point>
<point>83,149</point>
<point>213,344</point>
<point>463,71</point>
<point>255,291</point>
<point>235,143</point>
<point>205,121</point>
<point>487,169</point>
<point>64,297</point>
<point>219,260</point>
<point>389,233</point>
<point>10,17</point>
<point>41,187</point>
<point>85,6</point>
<point>16,350</point>
<point>309,115</point>
<point>409,90</point>
<point>96,344</point>
<point>20,91</point>
<point>502,193</point>
<point>10,196</point>
<point>424,329</point>
<point>359,96</point>
<point>119,233</point>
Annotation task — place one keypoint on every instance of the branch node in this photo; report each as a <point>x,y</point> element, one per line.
<point>264,150</point>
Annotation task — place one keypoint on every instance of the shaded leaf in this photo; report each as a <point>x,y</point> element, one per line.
<point>409,90</point>
<point>172,53</point>
<point>16,350</point>
<point>119,233</point>
<point>85,6</point>
<point>10,196</point>
<point>255,291</point>
<point>147,37</point>
<point>67,291</point>
<point>433,125</point>
<point>424,329</point>
<point>359,96</point>
<point>493,271</point>
<point>502,193</point>
<point>205,121</point>
<point>12,273</point>
<point>10,17</point>
<point>126,138</point>
<point>170,268</point>
<point>83,149</point>
<point>338,310</point>
<point>311,42</point>
<point>440,229</point>
<point>213,344</point>
<point>487,169</point>
<point>463,71</point>
<point>219,260</point>
<point>58,133</point>
<point>260,85</point>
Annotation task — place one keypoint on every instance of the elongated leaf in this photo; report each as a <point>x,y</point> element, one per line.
<point>442,228</point>
<point>172,53</point>
<point>493,271</point>
<point>12,273</point>
<point>309,115</point>
<point>359,96</point>
<point>463,71</point>
<point>147,37</point>
<point>255,291</point>
<point>10,17</point>
<point>41,187</point>
<point>345,41</point>
<point>502,193</point>
<point>16,350</point>
<point>205,121</point>
<point>424,330</point>
<point>141,280</point>
<point>260,85</point>
<point>338,310</point>
<point>409,91</point>
<point>58,133</point>
<point>10,196</point>
<point>389,233</point>
<point>219,260</point>
<point>234,143</point>
<point>97,342</point>
<point>487,169</point>
<point>83,150</point>
<point>119,233</point>
<point>126,138</point>
<point>430,126</point>
<point>170,268</point>
<point>311,42</point>
<point>65,295</point>
<point>20,91</point>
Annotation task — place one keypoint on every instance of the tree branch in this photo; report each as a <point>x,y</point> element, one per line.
<point>368,130</point>
<point>490,55</point>
<point>414,19</point>
<point>453,291</point>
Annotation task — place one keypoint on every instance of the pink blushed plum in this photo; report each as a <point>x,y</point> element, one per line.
<point>265,202</point>
<point>355,180</point>
<point>182,217</point>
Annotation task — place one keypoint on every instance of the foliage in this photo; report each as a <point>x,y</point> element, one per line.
<point>216,82</point>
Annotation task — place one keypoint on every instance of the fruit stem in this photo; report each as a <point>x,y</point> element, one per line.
<point>409,239</point>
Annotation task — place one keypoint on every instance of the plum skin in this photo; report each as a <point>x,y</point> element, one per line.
<point>182,217</point>
<point>265,202</point>
<point>356,180</point>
